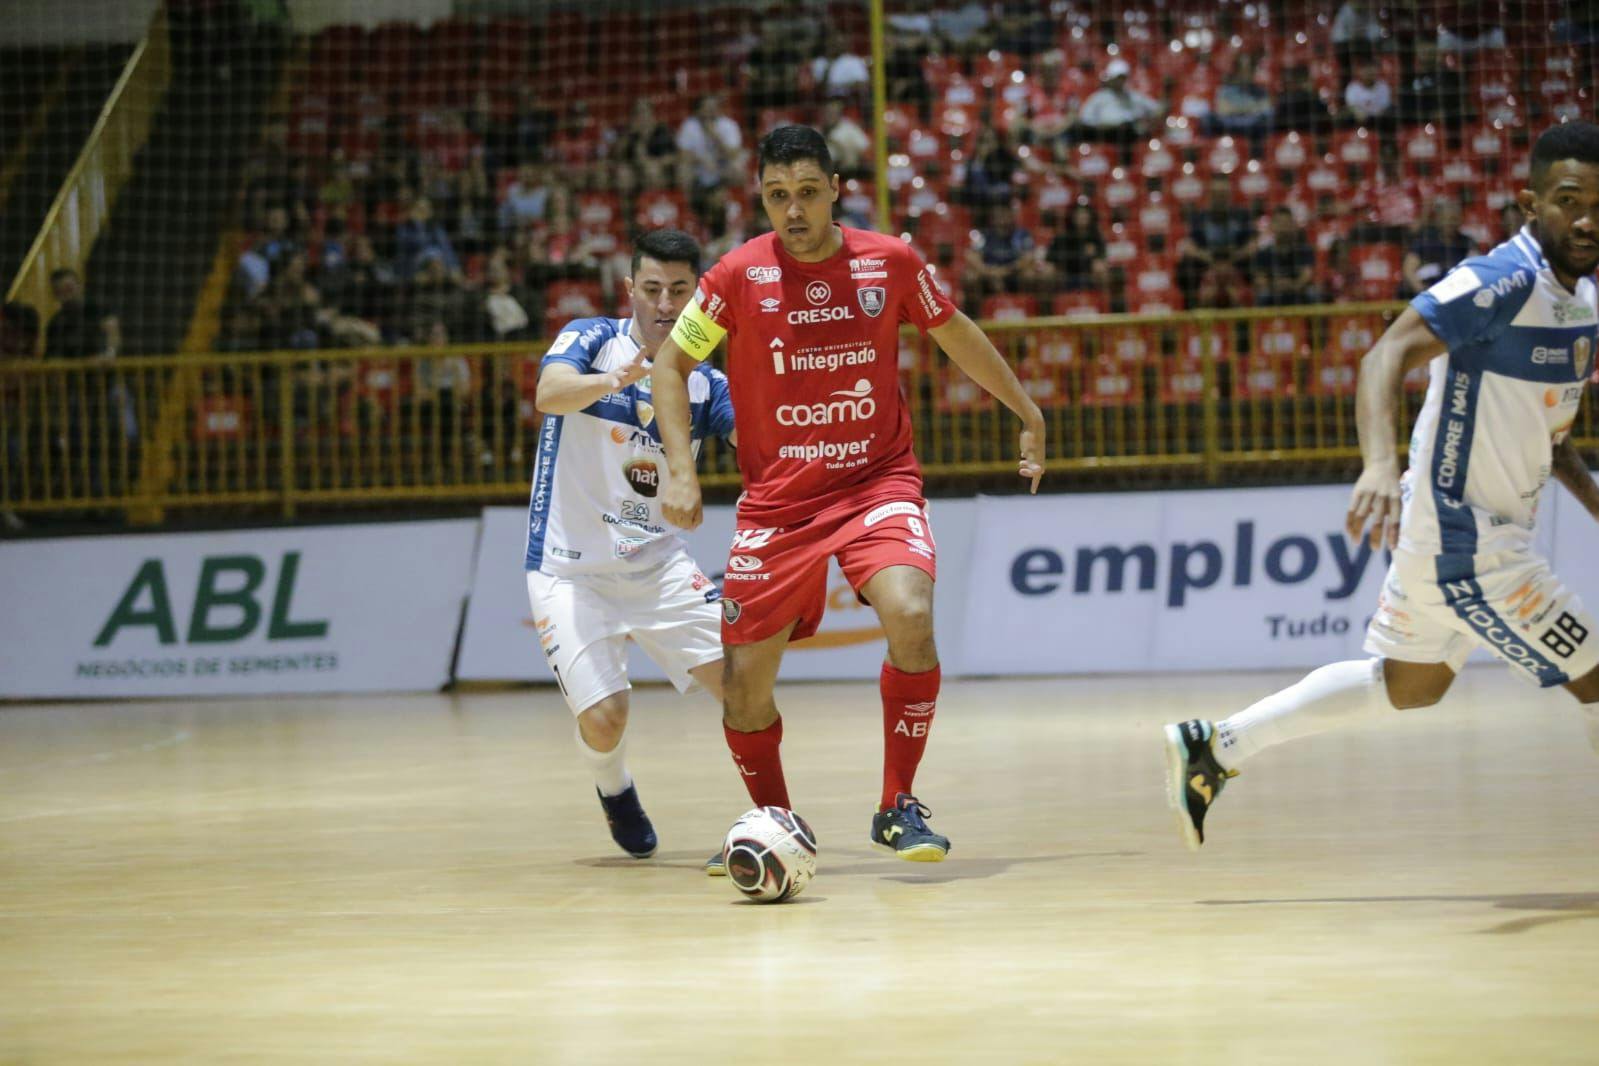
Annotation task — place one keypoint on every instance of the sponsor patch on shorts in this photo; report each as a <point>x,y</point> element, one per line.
<point>889,510</point>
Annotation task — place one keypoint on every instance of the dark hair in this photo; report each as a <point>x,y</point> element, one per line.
<point>788,145</point>
<point>667,246</point>
<point>21,317</point>
<point>62,272</point>
<point>1569,140</point>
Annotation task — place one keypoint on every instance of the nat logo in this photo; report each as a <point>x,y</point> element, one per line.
<point>227,607</point>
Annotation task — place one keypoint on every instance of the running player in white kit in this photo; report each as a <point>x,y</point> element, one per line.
<point>602,568</point>
<point>1509,338</point>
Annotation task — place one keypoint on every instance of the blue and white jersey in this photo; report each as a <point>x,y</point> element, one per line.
<point>599,471</point>
<point>1520,348</point>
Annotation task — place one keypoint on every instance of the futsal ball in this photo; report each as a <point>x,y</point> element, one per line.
<point>770,854</point>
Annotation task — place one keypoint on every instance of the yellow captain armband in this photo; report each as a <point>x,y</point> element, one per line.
<point>696,334</point>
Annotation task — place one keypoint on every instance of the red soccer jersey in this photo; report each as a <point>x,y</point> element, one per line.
<point>813,370</point>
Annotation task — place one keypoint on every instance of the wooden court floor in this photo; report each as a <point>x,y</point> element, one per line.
<point>428,880</point>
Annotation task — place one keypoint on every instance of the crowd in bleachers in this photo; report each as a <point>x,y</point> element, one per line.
<point>481,179</point>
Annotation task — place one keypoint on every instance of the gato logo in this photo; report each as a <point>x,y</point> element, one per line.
<point>643,475</point>
<point>818,293</point>
<point>764,275</point>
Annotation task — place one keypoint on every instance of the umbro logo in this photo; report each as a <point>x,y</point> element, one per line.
<point>925,707</point>
<point>892,832</point>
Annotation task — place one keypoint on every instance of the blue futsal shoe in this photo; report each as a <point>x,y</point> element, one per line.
<point>630,826</point>
<point>903,830</point>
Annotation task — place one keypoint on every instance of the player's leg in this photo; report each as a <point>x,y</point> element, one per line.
<point>890,559</point>
<point>1417,654</point>
<point>588,656</point>
<point>1586,689</point>
<point>751,723</point>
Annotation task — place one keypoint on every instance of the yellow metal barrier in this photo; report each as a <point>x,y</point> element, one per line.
<point>1196,397</point>
<point>83,206</point>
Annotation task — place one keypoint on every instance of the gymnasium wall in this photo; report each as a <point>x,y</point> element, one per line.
<point>1133,582</point>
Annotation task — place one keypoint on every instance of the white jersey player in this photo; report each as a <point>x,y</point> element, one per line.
<point>1509,339</point>
<point>602,567</point>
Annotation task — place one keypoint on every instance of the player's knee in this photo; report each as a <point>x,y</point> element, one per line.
<point>604,723</point>
<point>1412,686</point>
<point>1586,687</point>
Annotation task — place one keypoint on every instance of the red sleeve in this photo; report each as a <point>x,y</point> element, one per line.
<point>924,306</point>
<point>716,293</point>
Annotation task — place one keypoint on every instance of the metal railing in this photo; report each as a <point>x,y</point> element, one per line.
<point>1195,395</point>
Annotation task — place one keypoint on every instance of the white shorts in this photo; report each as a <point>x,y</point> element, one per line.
<point>671,610</point>
<point>1437,608</point>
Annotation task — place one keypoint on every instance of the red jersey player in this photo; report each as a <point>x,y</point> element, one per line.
<point>813,312</point>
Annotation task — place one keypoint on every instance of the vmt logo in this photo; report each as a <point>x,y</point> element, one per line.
<point>1192,565</point>
<point>227,583</point>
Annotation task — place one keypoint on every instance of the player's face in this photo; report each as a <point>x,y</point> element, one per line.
<point>799,200</point>
<point>659,292</point>
<point>1566,212</point>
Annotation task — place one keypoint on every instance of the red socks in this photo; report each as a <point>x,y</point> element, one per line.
<point>760,763</point>
<point>909,701</point>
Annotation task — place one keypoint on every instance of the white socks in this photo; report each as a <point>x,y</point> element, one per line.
<point>608,767</point>
<point>1337,695</point>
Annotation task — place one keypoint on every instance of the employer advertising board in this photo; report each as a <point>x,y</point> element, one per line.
<point>1207,580</point>
<point>365,608</point>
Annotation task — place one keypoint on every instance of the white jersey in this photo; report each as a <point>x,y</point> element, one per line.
<point>599,471</point>
<point>1521,346</point>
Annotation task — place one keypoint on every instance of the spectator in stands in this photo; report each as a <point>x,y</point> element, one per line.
<point>1368,100</point>
<point>290,308</point>
<point>1471,28</point>
<point>1437,246</point>
<point>774,65</point>
<point>1076,253</point>
<point>727,224</point>
<point>1511,220</point>
<point>1356,34</point>
<point>19,341</point>
<point>338,188</point>
<point>1051,107</point>
<point>1241,106</point>
<point>1024,29</point>
<point>1219,238</point>
<point>505,304</point>
<point>1002,256</point>
<point>532,128</point>
<point>19,331</point>
<point>712,145</point>
<point>1284,264</point>
<point>365,288</point>
<point>911,40</point>
<point>963,28</point>
<point>420,238</point>
<point>848,142</point>
<point>475,211</point>
<point>839,73</point>
<point>1433,93</point>
<point>527,199</point>
<point>1339,280</point>
<point>1115,111</point>
<point>435,294</point>
<point>991,172</point>
<point>276,242</point>
<point>1299,106</point>
<point>491,131</point>
<point>646,146</point>
<point>80,328</point>
<point>443,384</point>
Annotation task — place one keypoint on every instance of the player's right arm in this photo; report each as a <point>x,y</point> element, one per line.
<point>1405,345</point>
<point>564,389</point>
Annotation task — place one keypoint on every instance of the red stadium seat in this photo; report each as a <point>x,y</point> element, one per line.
<point>1290,153</point>
<point>1188,186</point>
<point>1059,347</point>
<point>1226,154</point>
<point>661,209</point>
<point>1155,161</point>
<point>1182,379</point>
<point>218,418</point>
<point>1109,383</point>
<point>1155,286</point>
<point>1082,303</point>
<point>1179,132</point>
<point>1378,267</point>
<point>1119,192</point>
<point>1281,337</point>
<point>1130,344</point>
<point>1094,161</point>
<point>956,393</point>
<point>1123,244</point>
<point>1157,216</point>
<point>1263,377</point>
<point>566,300</point>
<point>1253,183</point>
<point>1356,150</point>
<point>1004,307</point>
<point>1045,383</point>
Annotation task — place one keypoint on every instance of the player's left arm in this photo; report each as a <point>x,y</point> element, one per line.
<point>1571,470</point>
<point>970,349</point>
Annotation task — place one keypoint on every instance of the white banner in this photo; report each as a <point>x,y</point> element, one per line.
<point>369,608</point>
<point>1210,580</point>
<point>498,643</point>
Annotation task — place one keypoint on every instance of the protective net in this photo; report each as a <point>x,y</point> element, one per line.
<point>1244,187</point>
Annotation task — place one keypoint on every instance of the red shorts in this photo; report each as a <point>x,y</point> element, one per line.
<point>777,575</point>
